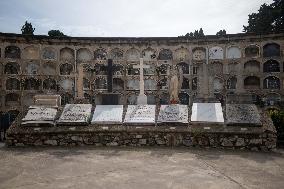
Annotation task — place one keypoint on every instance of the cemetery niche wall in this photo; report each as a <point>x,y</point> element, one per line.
<point>209,69</point>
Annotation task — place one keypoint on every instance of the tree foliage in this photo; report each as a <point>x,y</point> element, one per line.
<point>268,19</point>
<point>55,33</point>
<point>277,117</point>
<point>195,34</point>
<point>27,29</point>
<point>221,33</point>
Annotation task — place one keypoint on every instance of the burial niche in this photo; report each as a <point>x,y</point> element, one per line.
<point>13,84</point>
<point>252,51</point>
<point>271,50</point>
<point>149,54</point>
<point>164,99</point>
<point>84,55</point>
<point>101,83</point>
<point>216,68</point>
<point>133,84</point>
<point>151,70</point>
<point>116,54</point>
<point>199,53</point>
<point>49,68</point>
<point>183,98</point>
<point>100,54</point>
<point>165,54</point>
<point>118,84</point>
<point>31,53</point>
<point>150,84</point>
<point>185,83</point>
<point>66,84</point>
<point>49,53</point>
<point>12,68</point>
<point>132,99</point>
<point>271,82</point>
<point>252,66</point>
<point>194,83</point>
<point>66,69</point>
<point>12,52</point>
<point>151,99</point>
<point>132,55</point>
<point>216,53</point>
<point>251,82</point>
<point>118,70</point>
<point>271,66</point>
<point>272,99</point>
<point>66,98</point>
<point>100,69</point>
<point>233,67</point>
<point>232,83</point>
<point>31,84</point>
<point>163,84</point>
<point>217,84</point>
<point>49,84</point>
<point>164,69</point>
<point>86,84</point>
<point>12,99</point>
<point>184,67</point>
<point>32,68</point>
<point>131,70</point>
<point>181,54</point>
<point>234,53</point>
<point>67,54</point>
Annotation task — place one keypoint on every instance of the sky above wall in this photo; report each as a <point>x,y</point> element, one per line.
<point>127,18</point>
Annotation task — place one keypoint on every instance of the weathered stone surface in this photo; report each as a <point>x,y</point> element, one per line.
<point>142,114</point>
<point>173,113</point>
<point>76,113</point>
<point>242,114</point>
<point>207,113</point>
<point>108,114</point>
<point>39,115</point>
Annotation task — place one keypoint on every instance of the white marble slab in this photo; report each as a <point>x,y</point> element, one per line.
<point>39,113</point>
<point>174,113</point>
<point>108,114</point>
<point>207,112</point>
<point>76,113</point>
<point>143,114</point>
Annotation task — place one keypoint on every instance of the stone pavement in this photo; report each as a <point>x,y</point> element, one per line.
<point>139,168</point>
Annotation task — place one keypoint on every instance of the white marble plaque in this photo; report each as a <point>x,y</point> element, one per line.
<point>144,114</point>
<point>108,114</point>
<point>76,113</point>
<point>39,115</point>
<point>207,112</point>
<point>174,113</point>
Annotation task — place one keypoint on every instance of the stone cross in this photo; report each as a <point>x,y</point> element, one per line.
<point>142,98</point>
<point>80,81</point>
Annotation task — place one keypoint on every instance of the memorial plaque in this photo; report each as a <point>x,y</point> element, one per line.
<point>174,113</point>
<point>207,113</point>
<point>140,114</point>
<point>37,115</point>
<point>108,114</point>
<point>48,100</point>
<point>75,114</point>
<point>243,114</point>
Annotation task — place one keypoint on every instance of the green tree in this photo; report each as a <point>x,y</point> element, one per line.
<point>201,33</point>
<point>221,33</point>
<point>27,29</point>
<point>55,33</point>
<point>269,18</point>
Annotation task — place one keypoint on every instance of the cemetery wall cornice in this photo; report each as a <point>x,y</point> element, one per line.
<point>43,39</point>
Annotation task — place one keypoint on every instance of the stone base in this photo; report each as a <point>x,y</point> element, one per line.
<point>140,136</point>
<point>78,100</point>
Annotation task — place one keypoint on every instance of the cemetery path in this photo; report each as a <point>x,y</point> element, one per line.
<point>139,168</point>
